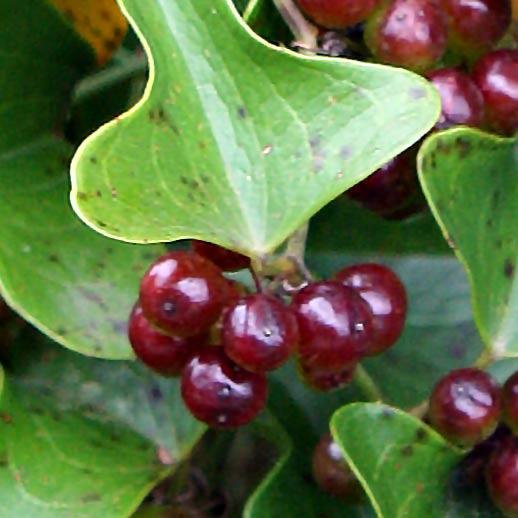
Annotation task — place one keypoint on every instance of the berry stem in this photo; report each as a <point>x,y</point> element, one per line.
<point>304,31</point>
<point>257,280</point>
<point>485,359</point>
<point>367,385</point>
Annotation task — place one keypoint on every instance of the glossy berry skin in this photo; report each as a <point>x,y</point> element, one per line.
<point>496,75</point>
<point>510,402</point>
<point>259,333</point>
<point>332,473</point>
<point>475,26</point>
<point>325,381</point>
<point>335,326</point>
<point>502,477</point>
<point>465,406</point>
<point>408,33</point>
<point>183,293</point>
<point>227,260</point>
<point>382,289</point>
<point>337,14</point>
<point>219,393</point>
<point>461,100</point>
<point>164,354</point>
<point>393,190</point>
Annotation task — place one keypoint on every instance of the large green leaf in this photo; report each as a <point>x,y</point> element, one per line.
<point>76,286</point>
<point>73,284</point>
<point>237,141</point>
<point>57,464</point>
<point>403,465</point>
<point>123,391</point>
<point>469,179</point>
<point>82,437</point>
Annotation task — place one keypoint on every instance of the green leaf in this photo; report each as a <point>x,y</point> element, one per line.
<point>469,179</point>
<point>76,286</point>
<point>93,444</point>
<point>403,465</point>
<point>123,391</point>
<point>71,283</point>
<point>236,141</point>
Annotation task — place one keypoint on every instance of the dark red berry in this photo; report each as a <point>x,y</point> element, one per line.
<point>475,26</point>
<point>183,293</point>
<point>337,14</point>
<point>386,296</point>
<point>219,393</point>
<point>227,260</point>
<point>392,190</point>
<point>408,33</point>
<point>259,333</point>
<point>164,354</point>
<point>325,381</point>
<point>332,473</point>
<point>465,406</point>
<point>461,100</point>
<point>335,326</point>
<point>502,476</point>
<point>510,402</point>
<point>496,75</point>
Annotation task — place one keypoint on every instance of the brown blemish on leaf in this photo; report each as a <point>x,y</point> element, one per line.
<point>82,195</point>
<point>407,451</point>
<point>93,160</point>
<point>90,497</point>
<point>463,146</point>
<point>420,435</point>
<point>509,268</point>
<point>6,418</point>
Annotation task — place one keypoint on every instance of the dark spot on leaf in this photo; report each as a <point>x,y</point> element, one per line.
<point>387,413</point>
<point>99,194</point>
<point>102,224</point>
<point>61,331</point>
<point>463,146</point>
<point>184,180</point>
<point>499,243</point>
<point>443,147</point>
<point>421,435</point>
<point>314,143</point>
<point>93,159</point>
<point>82,195</point>
<point>6,418</point>
<point>156,393</point>
<point>204,178</point>
<point>345,152</point>
<point>37,410</point>
<point>105,15</point>
<point>242,113</point>
<point>53,258</point>
<point>117,33</point>
<point>419,487</point>
<point>3,462</point>
<point>457,350</point>
<point>202,144</point>
<point>120,327</point>
<point>115,437</point>
<point>93,296</point>
<point>407,451</point>
<point>159,117</point>
<point>509,268</point>
<point>91,497</point>
<point>114,192</point>
<point>416,93</point>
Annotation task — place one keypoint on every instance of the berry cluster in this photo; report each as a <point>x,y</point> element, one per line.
<point>191,321</point>
<point>478,86</point>
<point>466,407</point>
